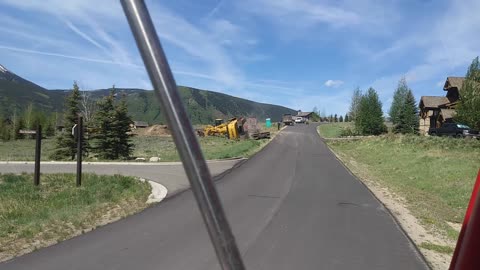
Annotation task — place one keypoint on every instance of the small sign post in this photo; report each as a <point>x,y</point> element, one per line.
<point>38,149</point>
<point>79,132</point>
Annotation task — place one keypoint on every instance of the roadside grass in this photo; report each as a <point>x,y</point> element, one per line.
<point>437,248</point>
<point>145,147</point>
<point>24,150</point>
<point>333,130</point>
<point>213,148</point>
<point>33,217</point>
<point>435,175</point>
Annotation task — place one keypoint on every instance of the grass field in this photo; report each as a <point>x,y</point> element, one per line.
<point>145,147</point>
<point>333,130</point>
<point>32,217</point>
<point>434,175</point>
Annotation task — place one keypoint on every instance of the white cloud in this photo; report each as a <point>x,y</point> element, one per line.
<point>333,83</point>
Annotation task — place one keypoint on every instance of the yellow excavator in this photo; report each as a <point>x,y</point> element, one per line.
<point>232,129</point>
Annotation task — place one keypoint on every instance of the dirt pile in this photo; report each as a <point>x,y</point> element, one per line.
<point>155,130</point>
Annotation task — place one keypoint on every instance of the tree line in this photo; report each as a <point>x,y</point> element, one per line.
<point>366,111</point>
<point>108,127</point>
<point>318,116</point>
<point>28,119</point>
<point>106,121</point>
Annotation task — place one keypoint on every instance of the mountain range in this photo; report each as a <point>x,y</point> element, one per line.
<point>203,106</point>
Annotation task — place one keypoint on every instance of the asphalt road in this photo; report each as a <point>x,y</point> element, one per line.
<point>291,206</point>
<point>170,174</point>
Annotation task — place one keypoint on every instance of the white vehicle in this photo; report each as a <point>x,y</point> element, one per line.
<point>299,120</point>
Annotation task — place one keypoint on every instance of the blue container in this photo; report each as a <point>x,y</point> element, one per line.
<point>268,122</point>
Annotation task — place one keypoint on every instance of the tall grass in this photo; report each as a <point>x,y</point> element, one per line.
<point>57,209</point>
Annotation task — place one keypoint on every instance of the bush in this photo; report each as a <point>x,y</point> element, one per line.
<point>346,132</point>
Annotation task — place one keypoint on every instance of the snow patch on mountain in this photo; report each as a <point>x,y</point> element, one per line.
<point>3,69</point>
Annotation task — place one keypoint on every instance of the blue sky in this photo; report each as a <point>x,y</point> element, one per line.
<point>297,53</point>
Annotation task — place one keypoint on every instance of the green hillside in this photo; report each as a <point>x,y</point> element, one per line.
<point>202,106</point>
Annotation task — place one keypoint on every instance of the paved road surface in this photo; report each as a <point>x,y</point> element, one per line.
<point>170,174</point>
<point>292,206</point>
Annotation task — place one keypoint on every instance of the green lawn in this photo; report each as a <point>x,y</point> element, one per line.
<point>333,130</point>
<point>434,175</point>
<point>145,147</point>
<point>57,210</point>
<point>213,148</point>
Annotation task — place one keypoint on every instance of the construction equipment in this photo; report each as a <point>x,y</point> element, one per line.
<point>287,120</point>
<point>232,129</point>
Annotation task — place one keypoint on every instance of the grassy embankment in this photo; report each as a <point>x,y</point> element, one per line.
<point>145,147</point>
<point>434,175</point>
<point>33,217</point>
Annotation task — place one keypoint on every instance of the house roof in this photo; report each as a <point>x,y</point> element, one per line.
<point>140,123</point>
<point>303,114</point>
<point>433,101</point>
<point>453,82</point>
<point>447,113</point>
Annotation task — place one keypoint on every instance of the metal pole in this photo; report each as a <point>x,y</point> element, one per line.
<point>79,150</point>
<point>38,150</point>
<point>187,144</point>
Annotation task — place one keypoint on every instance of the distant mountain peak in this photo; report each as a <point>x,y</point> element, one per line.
<point>3,69</point>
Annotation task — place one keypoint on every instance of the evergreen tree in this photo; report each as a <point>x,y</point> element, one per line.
<point>104,121</point>
<point>369,119</point>
<point>398,102</point>
<point>346,118</point>
<point>112,125</point>
<point>340,119</point>
<point>335,118</point>
<point>122,128</point>
<point>66,146</point>
<point>355,103</point>
<point>407,121</point>
<point>468,109</point>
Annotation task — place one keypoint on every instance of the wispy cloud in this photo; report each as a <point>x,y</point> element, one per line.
<point>333,83</point>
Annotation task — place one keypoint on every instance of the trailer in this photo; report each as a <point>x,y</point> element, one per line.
<point>287,119</point>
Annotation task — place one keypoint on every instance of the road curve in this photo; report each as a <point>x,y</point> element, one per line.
<point>291,206</point>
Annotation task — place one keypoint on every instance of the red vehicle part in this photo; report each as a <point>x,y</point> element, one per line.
<point>466,256</point>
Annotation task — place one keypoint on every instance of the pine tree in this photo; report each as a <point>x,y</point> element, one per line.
<point>355,103</point>
<point>105,135</point>
<point>340,119</point>
<point>122,127</point>
<point>407,121</point>
<point>112,124</point>
<point>398,102</point>
<point>66,146</point>
<point>346,118</point>
<point>335,118</point>
<point>369,120</point>
<point>468,109</point>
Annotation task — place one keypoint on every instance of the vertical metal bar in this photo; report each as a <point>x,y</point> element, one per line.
<point>189,149</point>
<point>38,150</point>
<point>79,150</point>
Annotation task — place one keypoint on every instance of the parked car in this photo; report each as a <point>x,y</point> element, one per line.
<point>299,120</point>
<point>454,130</point>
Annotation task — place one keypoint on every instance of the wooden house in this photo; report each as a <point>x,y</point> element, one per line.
<point>435,110</point>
